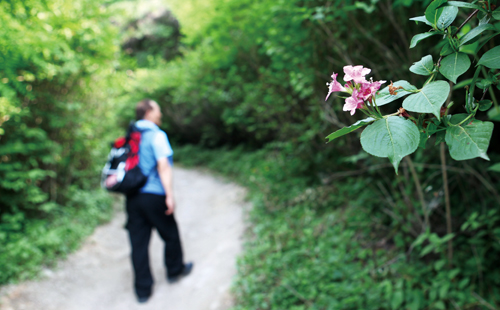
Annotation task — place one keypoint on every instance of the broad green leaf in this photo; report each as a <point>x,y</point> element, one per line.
<point>495,167</point>
<point>485,105</point>
<point>439,305</point>
<point>440,137</point>
<point>397,299</point>
<point>447,17</point>
<point>461,4</point>
<point>470,139</point>
<point>346,130</point>
<point>474,33</point>
<point>393,137</point>
<point>443,290</point>
<point>496,14</point>
<point>469,48</point>
<point>424,66</point>
<point>384,97</point>
<point>433,11</point>
<point>439,264</point>
<point>429,99</point>
<point>484,20</point>
<point>494,114</point>
<point>446,50</point>
<point>454,65</point>
<point>491,58</point>
<point>423,140</point>
<point>421,19</point>
<point>419,37</point>
<point>483,83</point>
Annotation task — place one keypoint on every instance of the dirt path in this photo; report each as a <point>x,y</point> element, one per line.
<point>98,276</point>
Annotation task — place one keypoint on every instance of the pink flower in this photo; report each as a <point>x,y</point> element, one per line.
<point>334,86</point>
<point>367,90</point>
<point>374,86</point>
<point>354,102</point>
<point>356,73</point>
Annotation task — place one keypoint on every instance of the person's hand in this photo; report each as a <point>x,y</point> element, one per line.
<point>170,205</point>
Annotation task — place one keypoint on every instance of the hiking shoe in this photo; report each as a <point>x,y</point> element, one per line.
<point>187,270</point>
<point>142,300</point>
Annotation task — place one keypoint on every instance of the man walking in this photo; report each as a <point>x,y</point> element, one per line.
<point>153,205</point>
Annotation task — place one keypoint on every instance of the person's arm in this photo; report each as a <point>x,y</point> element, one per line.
<point>165,173</point>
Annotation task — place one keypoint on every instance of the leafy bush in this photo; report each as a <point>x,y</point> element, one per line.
<point>29,244</point>
<point>353,243</point>
<point>57,60</point>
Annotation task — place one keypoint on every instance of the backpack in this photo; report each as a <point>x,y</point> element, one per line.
<point>121,173</point>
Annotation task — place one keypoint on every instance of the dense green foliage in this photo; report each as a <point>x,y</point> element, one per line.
<point>399,134</point>
<point>330,230</point>
<point>52,55</point>
<point>346,245</point>
<point>254,74</point>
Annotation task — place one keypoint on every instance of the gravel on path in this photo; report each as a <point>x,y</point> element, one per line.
<point>210,215</point>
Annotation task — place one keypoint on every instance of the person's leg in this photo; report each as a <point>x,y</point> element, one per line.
<point>139,229</point>
<point>167,228</point>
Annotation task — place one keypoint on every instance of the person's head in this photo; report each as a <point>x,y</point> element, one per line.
<point>149,110</point>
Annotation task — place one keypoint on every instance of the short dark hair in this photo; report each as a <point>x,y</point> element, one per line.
<point>142,107</point>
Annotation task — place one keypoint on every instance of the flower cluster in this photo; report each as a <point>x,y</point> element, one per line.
<point>356,85</point>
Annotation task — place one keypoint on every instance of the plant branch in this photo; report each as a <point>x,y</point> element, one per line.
<point>447,203</point>
<point>466,21</point>
<point>420,192</point>
<point>483,302</point>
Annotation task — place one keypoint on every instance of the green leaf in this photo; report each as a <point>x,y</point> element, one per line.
<point>439,264</point>
<point>461,4</point>
<point>454,65</point>
<point>483,83</point>
<point>446,50</point>
<point>429,99</point>
<point>495,167</point>
<point>443,290</point>
<point>470,139</point>
<point>427,249</point>
<point>494,114</point>
<point>474,33</point>
<point>447,17</point>
<point>419,37</point>
<point>421,19</point>
<point>423,140</point>
<point>496,14</point>
<point>424,66</point>
<point>453,273</point>
<point>346,130</point>
<point>491,58</point>
<point>397,299</point>
<point>433,12</point>
<point>439,305</point>
<point>463,283</point>
<point>384,97</point>
<point>485,105</point>
<point>393,137</point>
<point>431,129</point>
<point>469,48</point>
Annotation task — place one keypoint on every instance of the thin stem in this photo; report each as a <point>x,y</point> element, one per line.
<point>447,203</point>
<point>493,97</point>
<point>466,21</point>
<point>492,93</point>
<point>376,106</point>
<point>420,193</point>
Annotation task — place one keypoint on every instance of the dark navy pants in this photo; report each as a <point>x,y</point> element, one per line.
<point>146,211</point>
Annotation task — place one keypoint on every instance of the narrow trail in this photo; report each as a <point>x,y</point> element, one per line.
<point>99,277</point>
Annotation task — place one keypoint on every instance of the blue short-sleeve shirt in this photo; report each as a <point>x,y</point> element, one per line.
<point>154,146</point>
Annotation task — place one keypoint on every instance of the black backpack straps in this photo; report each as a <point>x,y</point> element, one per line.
<point>131,128</point>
